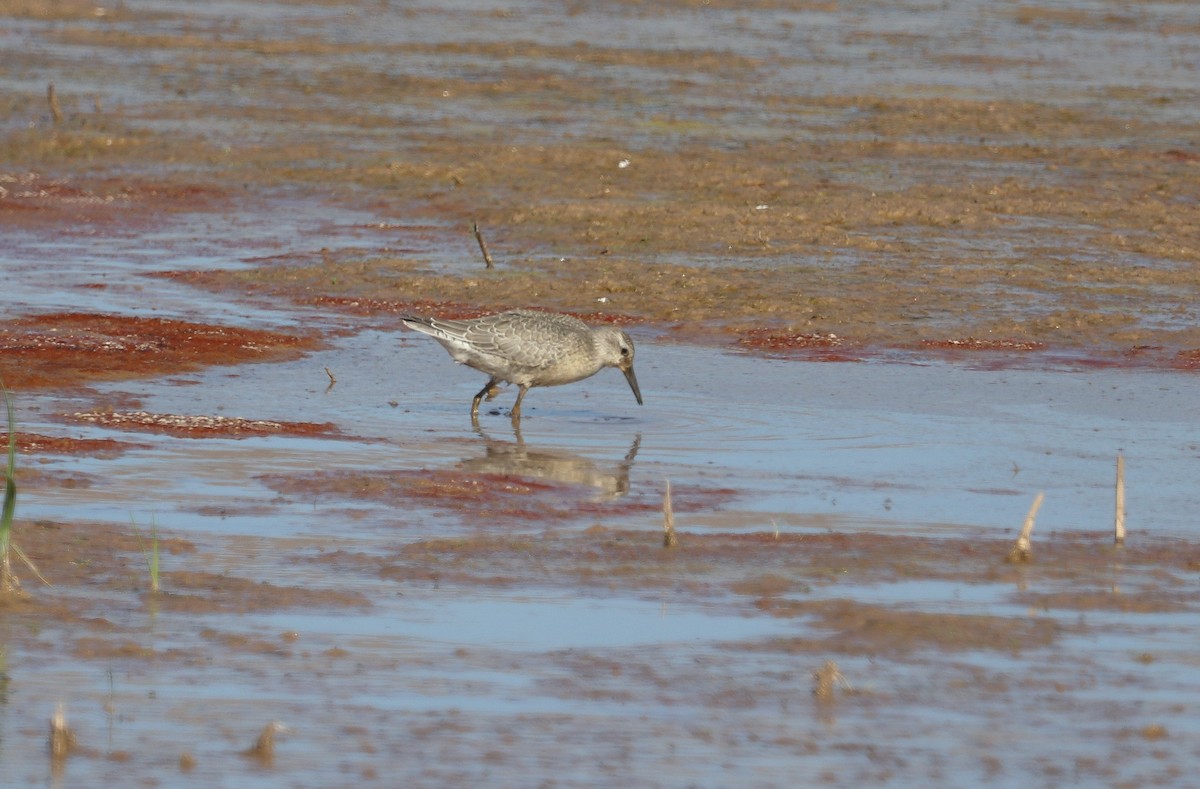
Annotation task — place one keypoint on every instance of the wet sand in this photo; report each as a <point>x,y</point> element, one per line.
<point>891,271</point>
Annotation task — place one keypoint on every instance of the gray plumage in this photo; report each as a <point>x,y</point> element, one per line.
<point>530,348</point>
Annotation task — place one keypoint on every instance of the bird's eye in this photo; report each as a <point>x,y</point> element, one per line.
<point>624,351</point>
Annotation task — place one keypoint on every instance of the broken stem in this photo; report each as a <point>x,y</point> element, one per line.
<point>1022,551</point>
<point>487,256</point>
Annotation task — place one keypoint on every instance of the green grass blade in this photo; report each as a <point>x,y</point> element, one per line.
<point>10,497</point>
<point>153,555</point>
<point>150,552</point>
<point>10,484</point>
<point>12,432</point>
<point>10,507</point>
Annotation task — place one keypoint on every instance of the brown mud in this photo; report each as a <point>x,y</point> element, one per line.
<point>777,575</point>
<point>889,220</point>
<point>96,566</point>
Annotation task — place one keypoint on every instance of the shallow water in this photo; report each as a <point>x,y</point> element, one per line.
<point>908,445</point>
<point>934,448</point>
<point>105,267</point>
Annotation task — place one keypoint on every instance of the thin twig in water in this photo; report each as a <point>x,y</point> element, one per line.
<point>332,380</point>
<point>669,538</point>
<point>1119,520</point>
<point>487,256</point>
<point>1022,551</point>
<point>55,110</point>
<point>29,563</point>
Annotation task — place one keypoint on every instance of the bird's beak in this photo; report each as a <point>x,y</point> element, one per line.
<point>632,379</point>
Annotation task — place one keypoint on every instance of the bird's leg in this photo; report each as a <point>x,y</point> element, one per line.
<point>490,390</point>
<point>516,411</point>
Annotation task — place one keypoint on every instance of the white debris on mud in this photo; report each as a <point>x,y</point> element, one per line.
<point>177,422</point>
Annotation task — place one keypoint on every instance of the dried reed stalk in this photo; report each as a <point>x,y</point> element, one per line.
<point>487,256</point>
<point>1022,551</point>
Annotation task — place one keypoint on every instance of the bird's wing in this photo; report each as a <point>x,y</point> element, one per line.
<point>521,338</point>
<point>521,342</point>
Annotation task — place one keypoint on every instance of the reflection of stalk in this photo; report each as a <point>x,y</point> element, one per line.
<point>669,538</point>
<point>1119,520</point>
<point>62,739</point>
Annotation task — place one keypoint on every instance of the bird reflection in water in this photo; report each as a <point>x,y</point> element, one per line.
<point>556,465</point>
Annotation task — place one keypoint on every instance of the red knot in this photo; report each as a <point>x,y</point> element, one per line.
<point>530,348</point>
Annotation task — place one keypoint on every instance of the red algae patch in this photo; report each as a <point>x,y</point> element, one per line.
<point>203,426</point>
<point>67,349</point>
<point>36,444</point>
<point>39,201</point>
<point>1188,359</point>
<point>814,346</point>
